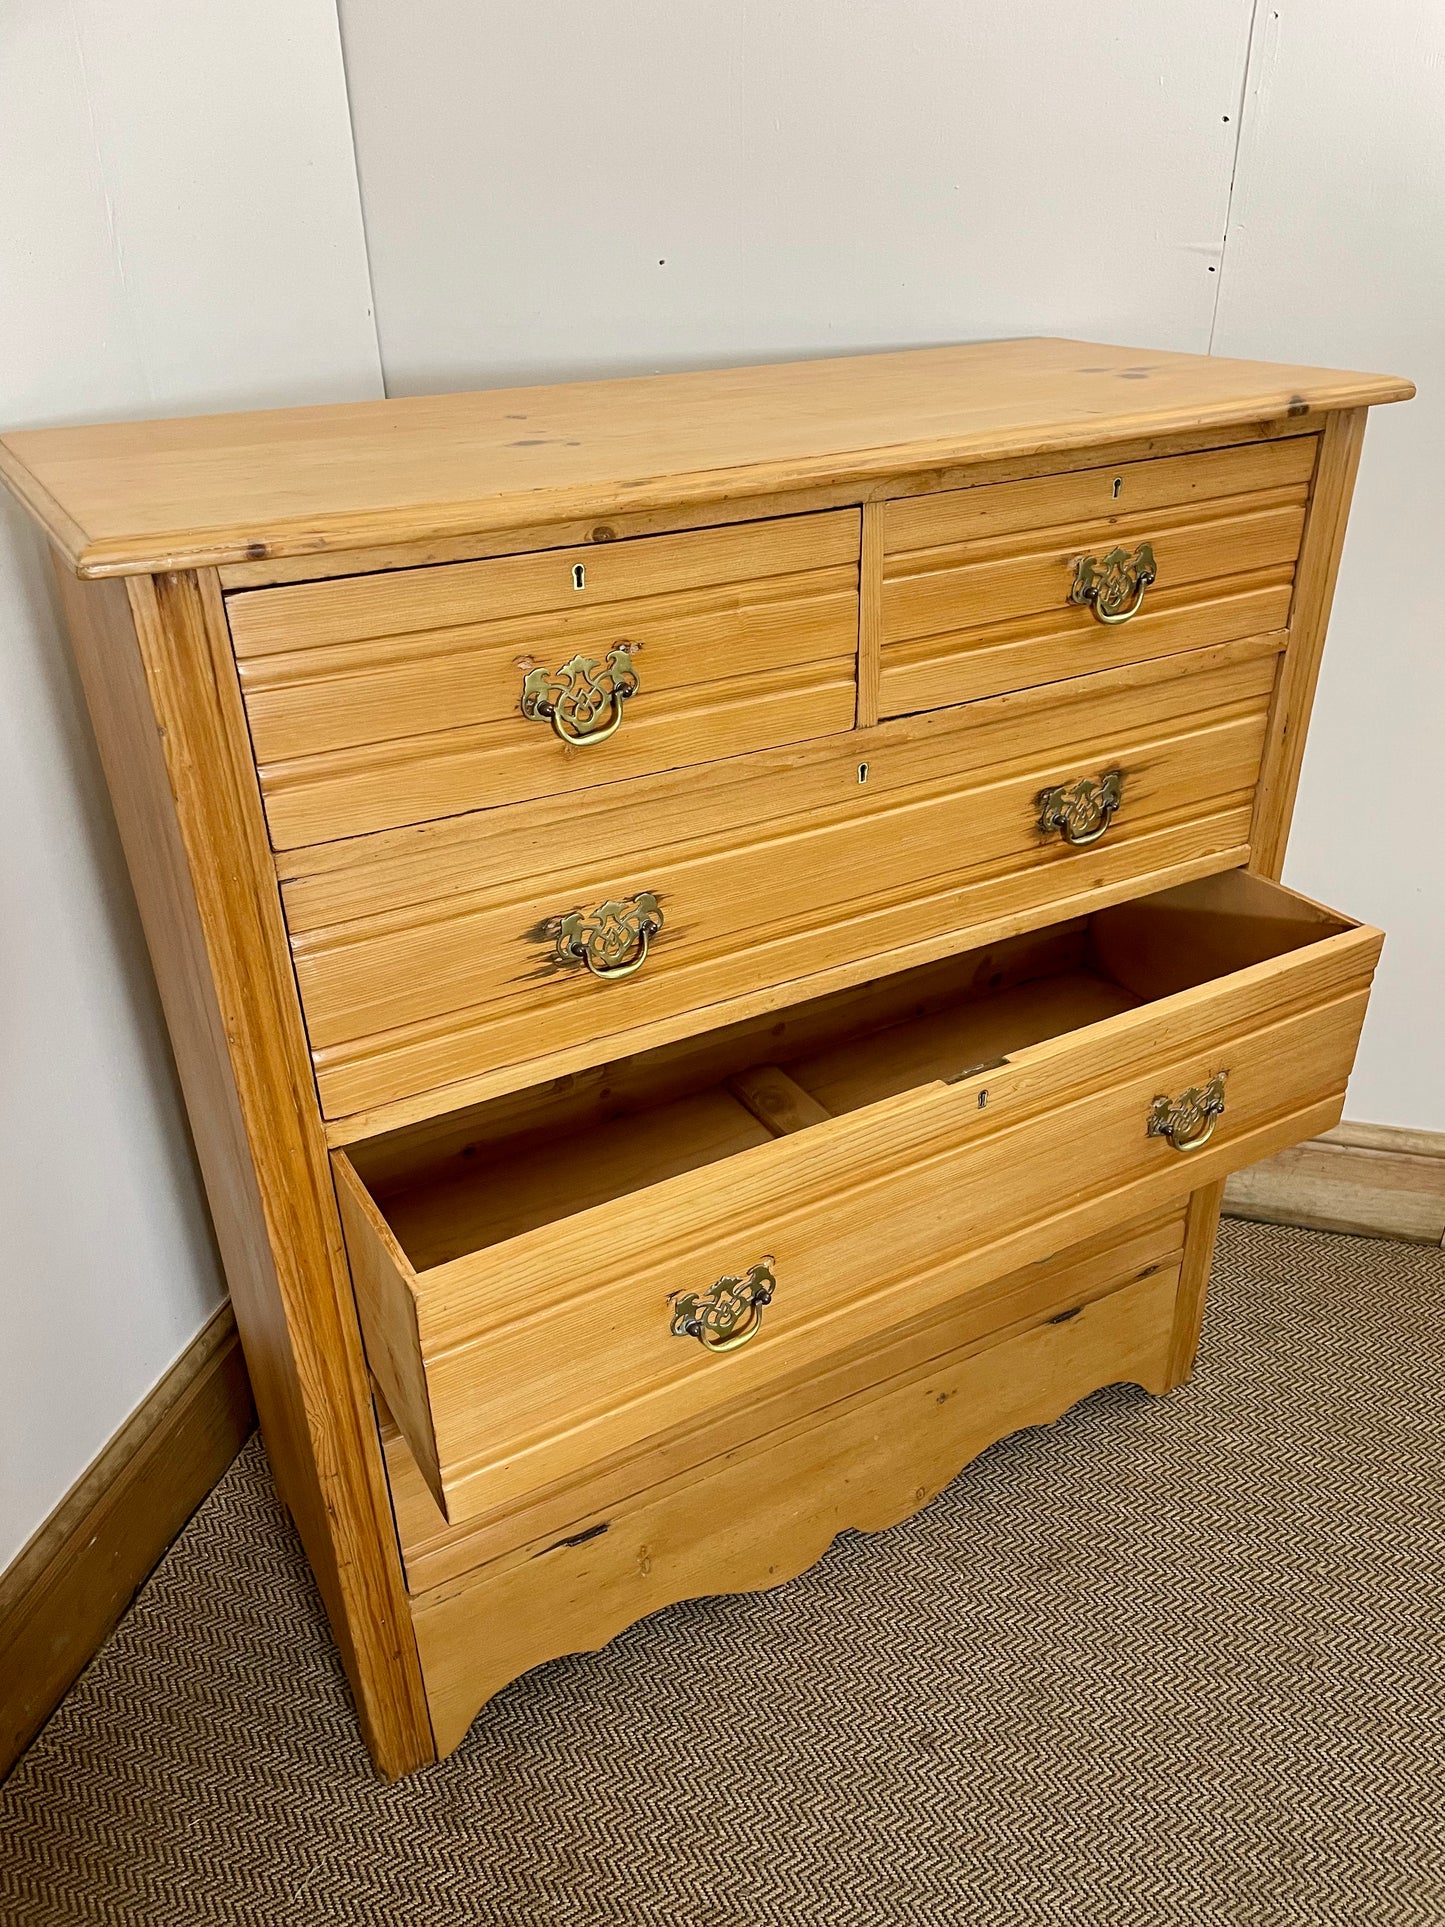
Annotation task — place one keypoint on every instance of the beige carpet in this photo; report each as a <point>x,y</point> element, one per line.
<point>1174,1660</point>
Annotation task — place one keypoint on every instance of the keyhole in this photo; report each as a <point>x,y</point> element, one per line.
<point>579,569</point>
<point>1118,484</point>
<point>862,772</point>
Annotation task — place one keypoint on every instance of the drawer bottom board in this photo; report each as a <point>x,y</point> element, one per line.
<point>760,1515</point>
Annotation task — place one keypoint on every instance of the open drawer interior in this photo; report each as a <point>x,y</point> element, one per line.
<point>478,1178</point>
<point>568,1271</point>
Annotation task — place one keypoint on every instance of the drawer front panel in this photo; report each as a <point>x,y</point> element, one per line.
<point>434,1552</point>
<point>396,698</point>
<point>441,972</point>
<point>977,582</point>
<point>756,1518</point>
<point>538,1356</point>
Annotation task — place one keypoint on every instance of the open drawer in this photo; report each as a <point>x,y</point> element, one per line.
<point>567,1271</point>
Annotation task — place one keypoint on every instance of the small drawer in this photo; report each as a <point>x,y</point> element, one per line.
<point>388,699</point>
<point>1007,585</point>
<point>498,945</point>
<point>573,1272</point>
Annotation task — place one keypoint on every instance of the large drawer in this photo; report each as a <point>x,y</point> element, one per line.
<point>538,1298</point>
<point>393,698</point>
<point>757,1513</point>
<point>1176,553</point>
<point>426,960</point>
<point>1054,1291</point>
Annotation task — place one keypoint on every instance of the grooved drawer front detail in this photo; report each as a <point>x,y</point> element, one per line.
<point>1050,1292</point>
<point>395,698</point>
<point>550,1341</point>
<point>425,963</point>
<point>756,1517</point>
<point>977,581</point>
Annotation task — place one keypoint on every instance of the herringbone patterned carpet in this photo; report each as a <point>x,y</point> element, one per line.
<point>1176,1661</point>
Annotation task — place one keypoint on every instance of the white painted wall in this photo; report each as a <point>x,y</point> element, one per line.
<point>553,189</point>
<point>1337,254</point>
<point>179,229</point>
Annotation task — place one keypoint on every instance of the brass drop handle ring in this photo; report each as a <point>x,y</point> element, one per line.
<point>1188,1121</point>
<point>1113,587</point>
<point>582,739</point>
<point>1106,615</point>
<point>1081,839</point>
<point>614,973</point>
<point>583,700</point>
<point>1195,1143</point>
<point>729,1314</point>
<point>610,941</point>
<point>1082,811</point>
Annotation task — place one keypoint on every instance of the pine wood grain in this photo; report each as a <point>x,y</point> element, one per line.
<point>536,1358</point>
<point>776,1100</point>
<point>396,1160</point>
<point>402,602</point>
<point>137,497</point>
<point>1111,492</point>
<point>426,551</point>
<point>156,666</point>
<point>435,1551</point>
<point>801,549</point>
<point>870,615</point>
<point>1201,1229</point>
<point>360,876</point>
<point>970,665</point>
<point>976,582</point>
<point>405,1000</point>
<point>356,728</point>
<point>1299,670</point>
<point>761,1516</point>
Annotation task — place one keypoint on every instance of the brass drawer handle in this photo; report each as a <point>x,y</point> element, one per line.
<point>1114,587</point>
<point>612,939</point>
<point>729,1314</point>
<point>583,699</point>
<point>1082,811</point>
<point>1188,1121</point>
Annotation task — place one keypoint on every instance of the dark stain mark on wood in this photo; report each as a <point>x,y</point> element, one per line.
<point>1297,405</point>
<point>1063,1317</point>
<point>257,551</point>
<point>575,1539</point>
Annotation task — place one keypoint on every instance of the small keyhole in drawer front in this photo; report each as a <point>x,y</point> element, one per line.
<point>1118,486</point>
<point>862,772</point>
<point>579,571</point>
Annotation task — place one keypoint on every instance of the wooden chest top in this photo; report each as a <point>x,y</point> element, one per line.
<point>143,497</point>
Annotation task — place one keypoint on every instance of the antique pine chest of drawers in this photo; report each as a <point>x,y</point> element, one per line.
<point>720,931</point>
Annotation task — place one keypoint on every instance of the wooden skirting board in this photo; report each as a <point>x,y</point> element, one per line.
<point>1377,1180</point>
<point>62,1596</point>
